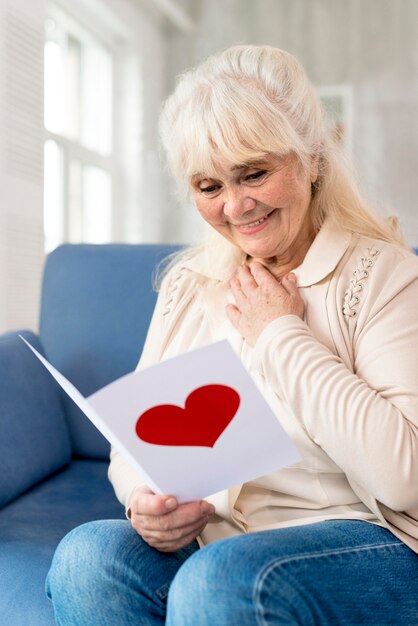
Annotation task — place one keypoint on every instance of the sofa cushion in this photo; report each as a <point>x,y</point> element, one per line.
<point>34,438</point>
<point>97,301</point>
<point>31,528</point>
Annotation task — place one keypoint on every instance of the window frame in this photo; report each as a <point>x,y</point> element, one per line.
<point>73,150</point>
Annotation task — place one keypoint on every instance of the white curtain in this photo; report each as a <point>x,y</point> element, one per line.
<point>21,161</point>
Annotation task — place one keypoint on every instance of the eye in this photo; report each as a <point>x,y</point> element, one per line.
<point>255,175</point>
<point>209,189</point>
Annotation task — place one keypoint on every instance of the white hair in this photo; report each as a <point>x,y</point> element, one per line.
<point>250,101</point>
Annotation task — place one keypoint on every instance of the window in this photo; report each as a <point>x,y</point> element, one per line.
<point>80,165</point>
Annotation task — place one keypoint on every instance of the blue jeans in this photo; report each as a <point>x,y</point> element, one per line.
<point>324,574</point>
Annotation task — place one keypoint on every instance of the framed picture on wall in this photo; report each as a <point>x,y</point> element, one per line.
<point>338,104</point>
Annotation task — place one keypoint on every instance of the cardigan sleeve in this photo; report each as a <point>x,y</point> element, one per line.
<point>366,420</point>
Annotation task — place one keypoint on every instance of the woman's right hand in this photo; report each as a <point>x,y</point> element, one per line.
<point>163,523</point>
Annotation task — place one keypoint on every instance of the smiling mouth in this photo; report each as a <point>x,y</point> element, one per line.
<point>253,224</point>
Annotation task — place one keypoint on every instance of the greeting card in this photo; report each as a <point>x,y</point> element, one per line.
<point>190,426</point>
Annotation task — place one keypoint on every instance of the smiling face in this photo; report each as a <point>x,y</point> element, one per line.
<point>262,207</point>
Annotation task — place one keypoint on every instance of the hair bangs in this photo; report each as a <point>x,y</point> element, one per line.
<point>226,124</point>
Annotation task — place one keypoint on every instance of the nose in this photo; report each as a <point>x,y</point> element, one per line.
<point>237,204</point>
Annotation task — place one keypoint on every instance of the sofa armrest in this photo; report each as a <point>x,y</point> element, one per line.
<point>34,438</point>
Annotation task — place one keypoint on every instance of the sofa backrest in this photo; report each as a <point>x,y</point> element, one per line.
<point>34,439</point>
<point>97,301</point>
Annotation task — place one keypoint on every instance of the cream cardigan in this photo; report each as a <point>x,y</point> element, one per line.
<point>343,383</point>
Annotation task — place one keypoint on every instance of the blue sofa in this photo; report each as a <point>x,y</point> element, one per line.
<point>96,305</point>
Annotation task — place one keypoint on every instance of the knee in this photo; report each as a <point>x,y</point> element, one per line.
<point>205,571</point>
<point>201,590</point>
<point>86,555</point>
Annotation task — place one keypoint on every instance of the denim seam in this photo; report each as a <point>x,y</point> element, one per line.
<point>293,593</point>
<point>162,592</point>
<point>302,557</point>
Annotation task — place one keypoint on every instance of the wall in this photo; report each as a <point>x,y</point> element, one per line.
<point>371,45</point>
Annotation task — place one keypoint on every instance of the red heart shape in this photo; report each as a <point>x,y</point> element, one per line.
<point>207,412</point>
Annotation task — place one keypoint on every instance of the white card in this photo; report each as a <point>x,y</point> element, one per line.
<point>224,435</point>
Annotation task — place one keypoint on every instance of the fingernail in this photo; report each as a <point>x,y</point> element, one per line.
<point>291,277</point>
<point>206,508</point>
<point>170,504</point>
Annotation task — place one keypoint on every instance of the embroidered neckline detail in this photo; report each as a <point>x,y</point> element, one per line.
<point>174,285</point>
<point>352,295</point>
<point>174,294</point>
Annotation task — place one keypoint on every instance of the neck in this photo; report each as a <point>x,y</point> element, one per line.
<point>280,265</point>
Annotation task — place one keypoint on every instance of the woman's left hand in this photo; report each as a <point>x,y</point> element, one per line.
<point>261,298</point>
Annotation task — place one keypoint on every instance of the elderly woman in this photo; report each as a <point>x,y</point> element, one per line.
<point>319,298</point>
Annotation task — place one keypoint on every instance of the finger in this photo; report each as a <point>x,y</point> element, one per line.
<point>144,503</point>
<point>291,286</point>
<point>179,546</point>
<point>289,282</point>
<point>233,314</point>
<point>246,278</point>
<point>263,276</point>
<point>173,546</point>
<point>237,291</point>
<point>176,534</point>
<point>184,515</point>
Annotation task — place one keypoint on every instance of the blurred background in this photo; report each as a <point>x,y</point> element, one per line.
<point>81,87</point>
